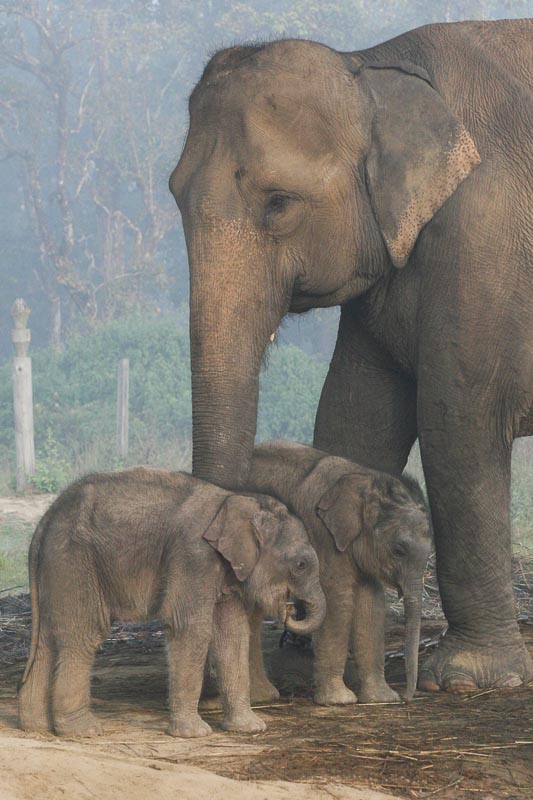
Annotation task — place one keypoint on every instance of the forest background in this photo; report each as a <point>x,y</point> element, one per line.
<point>93,115</point>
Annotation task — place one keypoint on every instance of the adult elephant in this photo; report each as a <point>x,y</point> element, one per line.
<point>393,182</point>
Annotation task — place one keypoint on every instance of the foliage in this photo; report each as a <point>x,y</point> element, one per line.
<point>75,395</point>
<point>289,392</point>
<point>93,112</point>
<point>52,470</point>
<point>15,538</point>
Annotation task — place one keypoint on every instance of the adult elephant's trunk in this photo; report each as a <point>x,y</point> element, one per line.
<point>234,311</point>
<point>413,610</point>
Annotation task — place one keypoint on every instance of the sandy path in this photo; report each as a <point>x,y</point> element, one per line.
<point>27,508</point>
<point>34,768</point>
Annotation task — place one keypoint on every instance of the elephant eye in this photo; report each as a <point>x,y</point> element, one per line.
<point>399,549</point>
<point>277,203</point>
<point>299,565</point>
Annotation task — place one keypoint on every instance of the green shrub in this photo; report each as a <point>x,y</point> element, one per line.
<point>52,470</point>
<point>75,397</point>
<point>290,389</point>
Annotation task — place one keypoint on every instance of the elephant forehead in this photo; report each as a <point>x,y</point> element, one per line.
<point>277,122</point>
<point>274,100</point>
<point>416,521</point>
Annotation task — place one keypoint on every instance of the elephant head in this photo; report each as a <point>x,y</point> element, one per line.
<point>271,556</point>
<point>306,178</point>
<point>386,523</point>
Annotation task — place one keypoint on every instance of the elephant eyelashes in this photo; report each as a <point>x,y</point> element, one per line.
<point>398,550</point>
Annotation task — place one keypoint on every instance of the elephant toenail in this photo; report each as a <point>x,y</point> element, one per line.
<point>458,682</point>
<point>428,683</point>
<point>508,681</point>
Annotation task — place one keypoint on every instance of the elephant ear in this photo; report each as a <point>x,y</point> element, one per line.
<point>419,153</point>
<point>346,509</point>
<point>233,533</point>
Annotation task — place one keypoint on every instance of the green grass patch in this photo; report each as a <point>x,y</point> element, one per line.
<point>15,537</point>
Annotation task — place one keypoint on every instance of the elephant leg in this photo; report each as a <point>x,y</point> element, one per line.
<point>466,453</point>
<point>330,646</point>
<point>35,693</point>
<point>186,653</point>
<point>367,410</point>
<point>261,689</point>
<point>231,634</point>
<point>71,692</point>
<point>369,643</point>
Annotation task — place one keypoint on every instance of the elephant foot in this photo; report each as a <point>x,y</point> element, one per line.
<point>35,724</point>
<point>245,722</point>
<point>190,727</point>
<point>334,694</point>
<point>81,723</point>
<point>377,692</point>
<point>210,703</point>
<point>457,666</point>
<point>263,692</point>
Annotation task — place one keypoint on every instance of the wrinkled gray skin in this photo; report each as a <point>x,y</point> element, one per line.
<point>145,544</point>
<point>394,182</point>
<point>369,530</point>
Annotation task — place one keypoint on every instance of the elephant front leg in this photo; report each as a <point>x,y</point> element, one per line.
<point>231,634</point>
<point>369,643</point>
<point>330,645</point>
<point>467,467</point>
<point>187,653</point>
<point>261,689</point>
<point>367,409</point>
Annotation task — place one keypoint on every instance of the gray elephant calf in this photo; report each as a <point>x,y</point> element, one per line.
<point>369,529</point>
<point>143,544</point>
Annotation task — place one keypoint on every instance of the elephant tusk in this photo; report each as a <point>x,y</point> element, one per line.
<point>272,336</point>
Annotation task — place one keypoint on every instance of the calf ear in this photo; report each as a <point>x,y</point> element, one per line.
<point>232,533</point>
<point>341,511</point>
<point>350,506</point>
<point>419,153</point>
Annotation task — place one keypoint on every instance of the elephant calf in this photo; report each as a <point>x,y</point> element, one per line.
<point>369,529</point>
<point>144,544</point>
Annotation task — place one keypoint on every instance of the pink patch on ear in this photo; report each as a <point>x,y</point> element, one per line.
<point>460,161</point>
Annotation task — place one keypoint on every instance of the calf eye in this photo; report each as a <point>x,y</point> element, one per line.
<point>398,549</point>
<point>299,565</point>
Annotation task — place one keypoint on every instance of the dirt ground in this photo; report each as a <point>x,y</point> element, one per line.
<point>25,508</point>
<point>476,746</point>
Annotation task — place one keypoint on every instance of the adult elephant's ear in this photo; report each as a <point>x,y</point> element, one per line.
<point>419,153</point>
<point>346,508</point>
<point>233,533</point>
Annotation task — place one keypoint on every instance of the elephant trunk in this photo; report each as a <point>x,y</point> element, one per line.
<point>230,326</point>
<point>315,611</point>
<point>413,611</point>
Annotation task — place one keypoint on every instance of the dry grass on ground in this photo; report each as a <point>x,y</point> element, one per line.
<point>474,746</point>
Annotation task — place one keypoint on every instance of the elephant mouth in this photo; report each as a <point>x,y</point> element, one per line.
<point>287,612</point>
<point>284,609</point>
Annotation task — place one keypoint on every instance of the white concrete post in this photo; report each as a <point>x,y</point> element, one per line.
<point>123,406</point>
<point>22,395</point>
